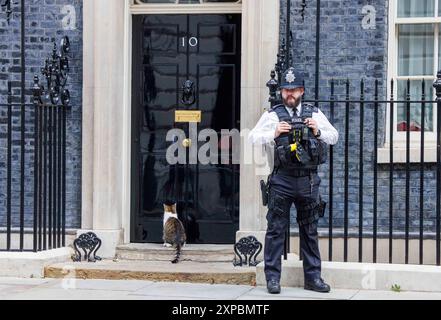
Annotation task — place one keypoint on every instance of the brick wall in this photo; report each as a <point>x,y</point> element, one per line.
<point>347,51</point>
<point>46,21</point>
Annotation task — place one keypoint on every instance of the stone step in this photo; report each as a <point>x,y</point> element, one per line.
<point>190,252</point>
<point>185,271</point>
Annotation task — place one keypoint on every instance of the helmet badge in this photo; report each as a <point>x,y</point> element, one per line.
<point>290,77</point>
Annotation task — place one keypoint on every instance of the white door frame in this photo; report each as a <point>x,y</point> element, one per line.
<point>260,39</point>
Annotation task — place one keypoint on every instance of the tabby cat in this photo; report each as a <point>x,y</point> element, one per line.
<point>174,233</point>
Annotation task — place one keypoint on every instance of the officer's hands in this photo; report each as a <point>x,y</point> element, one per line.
<point>282,127</point>
<point>311,123</point>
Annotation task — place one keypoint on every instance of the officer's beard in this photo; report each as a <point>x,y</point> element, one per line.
<point>292,102</point>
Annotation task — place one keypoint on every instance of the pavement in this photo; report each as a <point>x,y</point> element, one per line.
<point>78,289</point>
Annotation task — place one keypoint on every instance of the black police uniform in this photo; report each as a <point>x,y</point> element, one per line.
<point>295,181</point>
<point>298,185</point>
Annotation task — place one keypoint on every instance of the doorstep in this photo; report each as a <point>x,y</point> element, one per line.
<point>190,252</point>
<point>184,271</point>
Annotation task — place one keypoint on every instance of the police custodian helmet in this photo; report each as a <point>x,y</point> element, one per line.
<point>291,80</point>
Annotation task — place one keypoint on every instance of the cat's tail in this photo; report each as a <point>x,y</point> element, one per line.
<point>178,253</point>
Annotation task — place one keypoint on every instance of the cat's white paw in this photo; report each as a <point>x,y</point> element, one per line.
<point>168,245</point>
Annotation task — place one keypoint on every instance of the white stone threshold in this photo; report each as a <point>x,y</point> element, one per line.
<point>31,264</point>
<point>361,276</point>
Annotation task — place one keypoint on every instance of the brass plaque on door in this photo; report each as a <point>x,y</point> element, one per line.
<point>188,116</point>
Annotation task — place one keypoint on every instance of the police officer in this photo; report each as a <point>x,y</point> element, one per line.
<point>299,133</point>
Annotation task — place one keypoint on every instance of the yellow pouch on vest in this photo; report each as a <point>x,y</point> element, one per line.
<point>293,147</point>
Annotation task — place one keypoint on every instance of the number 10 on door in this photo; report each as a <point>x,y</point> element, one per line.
<point>192,42</point>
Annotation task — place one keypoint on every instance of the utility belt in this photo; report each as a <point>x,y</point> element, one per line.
<point>265,187</point>
<point>295,173</point>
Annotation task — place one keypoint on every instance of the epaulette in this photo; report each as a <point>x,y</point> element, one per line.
<point>313,108</point>
<point>281,112</point>
<point>273,108</point>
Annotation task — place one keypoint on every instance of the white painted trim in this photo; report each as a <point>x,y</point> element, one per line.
<point>415,77</point>
<point>436,8</point>
<point>391,61</point>
<point>399,154</point>
<point>400,137</point>
<point>260,41</point>
<point>127,124</point>
<point>87,115</point>
<point>417,20</point>
<point>185,9</point>
<point>137,7</point>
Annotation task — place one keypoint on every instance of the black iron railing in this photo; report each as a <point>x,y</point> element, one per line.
<point>400,211</point>
<point>419,167</point>
<point>43,214</point>
<point>34,155</point>
<point>352,113</point>
<point>35,160</point>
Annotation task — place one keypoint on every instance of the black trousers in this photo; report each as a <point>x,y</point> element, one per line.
<point>304,193</point>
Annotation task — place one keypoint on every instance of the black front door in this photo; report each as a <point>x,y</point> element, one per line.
<point>169,50</point>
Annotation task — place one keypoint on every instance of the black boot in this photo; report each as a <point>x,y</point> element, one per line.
<point>317,285</point>
<point>273,286</point>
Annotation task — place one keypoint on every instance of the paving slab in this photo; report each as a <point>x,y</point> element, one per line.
<point>300,293</point>
<point>68,294</point>
<point>391,295</point>
<point>19,281</point>
<point>6,290</point>
<point>273,297</point>
<point>145,290</point>
<point>112,285</point>
<point>161,298</point>
<point>198,291</point>
<point>10,290</point>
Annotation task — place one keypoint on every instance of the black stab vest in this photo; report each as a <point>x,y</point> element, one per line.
<point>311,151</point>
